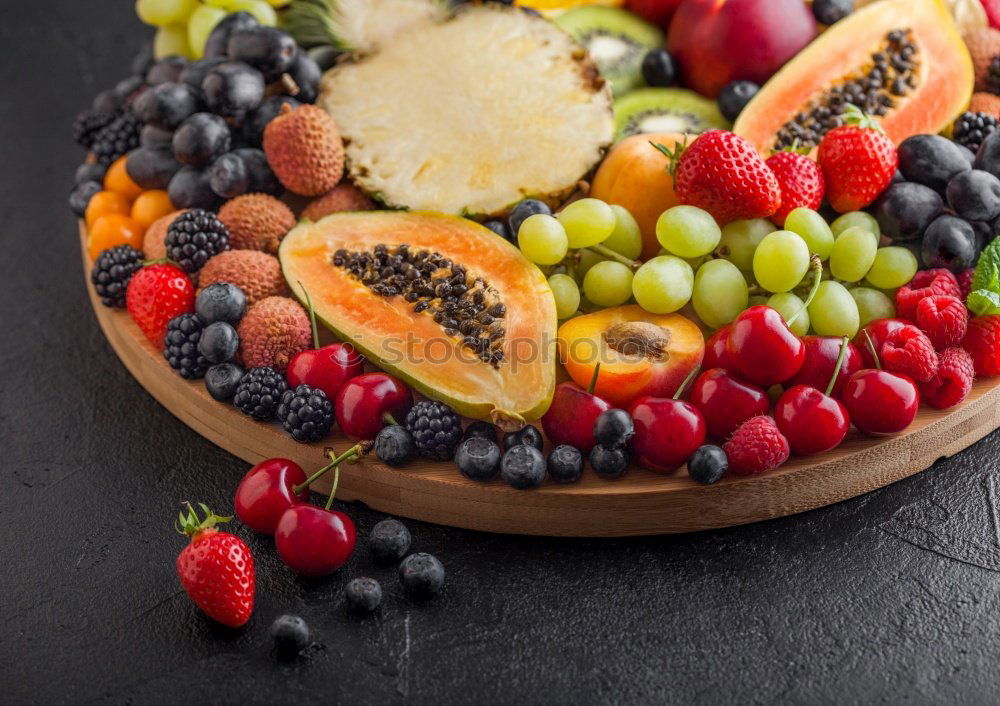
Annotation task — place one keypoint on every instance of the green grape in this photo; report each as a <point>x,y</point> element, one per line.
<point>164,12</point>
<point>813,229</point>
<point>264,13</point>
<point>587,222</point>
<point>781,261</point>
<point>687,231</point>
<point>894,266</point>
<point>170,41</point>
<point>740,239</point>
<point>542,239</point>
<point>872,304</point>
<point>833,311</point>
<point>566,294</point>
<point>788,305</point>
<point>200,25</point>
<point>856,219</point>
<point>588,259</point>
<point>608,283</point>
<point>853,254</point>
<point>663,285</point>
<point>756,300</point>
<point>626,238</point>
<point>720,293</point>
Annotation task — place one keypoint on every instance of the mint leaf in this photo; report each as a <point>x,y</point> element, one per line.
<point>983,302</point>
<point>985,295</point>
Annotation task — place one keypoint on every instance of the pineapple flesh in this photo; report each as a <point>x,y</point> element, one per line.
<point>470,115</point>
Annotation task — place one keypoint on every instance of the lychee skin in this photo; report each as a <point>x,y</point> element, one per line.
<point>272,332</point>
<point>256,222</point>
<point>305,151</point>
<point>256,273</point>
<point>345,196</point>
<point>983,44</point>
<point>153,245</point>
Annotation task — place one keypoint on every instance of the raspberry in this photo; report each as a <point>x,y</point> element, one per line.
<point>943,318</point>
<point>907,350</point>
<point>982,341</point>
<point>965,282</point>
<point>923,284</point>
<point>952,382</point>
<point>756,446</point>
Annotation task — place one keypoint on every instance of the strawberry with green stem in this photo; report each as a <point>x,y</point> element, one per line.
<point>858,161</point>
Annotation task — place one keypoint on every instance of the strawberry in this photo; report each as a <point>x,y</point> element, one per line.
<point>858,161</point>
<point>801,183</point>
<point>156,294</point>
<point>216,568</point>
<point>723,174</point>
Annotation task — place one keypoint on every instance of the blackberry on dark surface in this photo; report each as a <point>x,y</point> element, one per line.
<point>112,271</point>
<point>88,125</point>
<point>363,594</point>
<point>306,413</point>
<point>259,392</point>
<point>394,445</point>
<point>194,237</point>
<point>119,137</point>
<point>972,128</point>
<point>180,346</point>
<point>436,429</point>
<point>993,76</point>
<point>389,541</point>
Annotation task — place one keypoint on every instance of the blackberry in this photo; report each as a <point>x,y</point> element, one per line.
<point>180,346</point>
<point>112,271</point>
<point>88,126</point>
<point>972,128</point>
<point>435,428</point>
<point>259,392</point>
<point>993,76</point>
<point>306,413</point>
<point>119,137</point>
<point>194,237</point>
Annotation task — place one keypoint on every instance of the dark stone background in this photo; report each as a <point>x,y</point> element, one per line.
<point>890,597</point>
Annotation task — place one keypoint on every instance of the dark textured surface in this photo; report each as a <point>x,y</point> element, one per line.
<point>891,597</point>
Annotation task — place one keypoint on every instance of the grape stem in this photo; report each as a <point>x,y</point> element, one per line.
<point>836,368</point>
<point>607,252</point>
<point>816,265</point>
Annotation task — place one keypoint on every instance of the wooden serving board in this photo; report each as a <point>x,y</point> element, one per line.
<point>640,503</point>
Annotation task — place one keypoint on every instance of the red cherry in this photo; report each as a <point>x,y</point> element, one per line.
<point>716,355</point>
<point>726,401</point>
<point>327,368</point>
<point>313,541</point>
<point>763,349</point>
<point>880,402</point>
<point>267,490</point>
<point>667,432</point>
<point>878,330</point>
<point>364,401</point>
<point>571,416</point>
<point>811,421</point>
<point>821,359</point>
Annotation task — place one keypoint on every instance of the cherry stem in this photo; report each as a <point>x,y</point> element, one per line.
<point>312,316</point>
<point>333,488</point>
<point>607,252</point>
<point>319,474</point>
<point>836,369</point>
<point>871,347</point>
<point>688,379</point>
<point>387,418</point>
<point>593,380</point>
<point>816,265</point>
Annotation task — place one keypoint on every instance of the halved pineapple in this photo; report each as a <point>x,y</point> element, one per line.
<point>470,115</point>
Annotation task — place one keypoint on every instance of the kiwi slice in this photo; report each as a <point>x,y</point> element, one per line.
<point>616,39</point>
<point>665,110</point>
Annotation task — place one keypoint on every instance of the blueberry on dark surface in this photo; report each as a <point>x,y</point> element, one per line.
<point>389,541</point>
<point>974,195</point>
<point>89,172</point>
<point>951,243</point>
<point>167,104</point>
<point>521,210</point>
<point>478,458</point>
<point>232,89</point>
<point>436,429</point>
<point>152,167</point>
<point>394,445</point>
<point>481,429</point>
<point>195,236</point>
<point>196,71</point>
<point>523,467</point>
<point>259,392</point>
<point>88,125</point>
<point>253,127</point>
<point>221,301</point>
<point>81,194</point>
<point>609,463</point>
<point>905,210</point>
<point>222,380</point>
<point>267,49</point>
<point>191,188</point>
<point>363,595</point>
<point>262,178</point>
<point>228,176</point>
<point>290,634</point>
<point>527,435</point>
<point>829,11</point>
<point>305,412</point>
<point>501,229</point>
<point>106,102</point>
<point>734,98</point>
<point>119,137</point>
<point>166,70</point>
<point>219,342</point>
<point>970,129</point>
<point>180,346</point>
<point>708,464</point>
<point>659,68</point>
<point>218,40</point>
<point>614,428</point>
<point>200,139</point>
<point>143,60</point>
<point>931,160</point>
<point>565,464</point>
<point>112,271</point>
<point>305,73</point>
<point>422,575</point>
<point>156,136</point>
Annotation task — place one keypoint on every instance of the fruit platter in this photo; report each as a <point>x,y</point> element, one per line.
<point>555,267</point>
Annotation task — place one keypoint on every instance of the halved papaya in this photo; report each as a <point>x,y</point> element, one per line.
<point>902,61</point>
<point>440,301</point>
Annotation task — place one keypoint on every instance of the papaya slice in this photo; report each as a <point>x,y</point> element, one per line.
<point>902,61</point>
<point>440,301</point>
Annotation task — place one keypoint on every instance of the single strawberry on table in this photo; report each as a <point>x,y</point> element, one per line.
<point>858,161</point>
<point>156,294</point>
<point>800,180</point>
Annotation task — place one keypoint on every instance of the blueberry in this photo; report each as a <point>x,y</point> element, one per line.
<point>290,634</point>
<point>156,136</point>
<point>89,172</point>
<point>229,177</point>
<point>528,435</point>
<point>218,40</point>
<point>565,464</point>
<point>267,49</point>
<point>389,541</point>
<point>478,458</point>
<point>708,464</point>
<point>523,209</point>
<point>262,179</point>
<point>190,188</point>
<point>523,467</point>
<point>80,196</point>
<point>931,160</point>
<point>219,342</point>
<point>501,229</point>
<point>422,575</point>
<point>829,11</point>
<point>905,210</point>
<point>483,430</point>
<point>394,445</point>
<point>166,70</point>
<point>609,463</point>
<point>195,72</point>
<point>306,74</point>
<point>614,428</point>
<point>201,139</point>
<point>363,594</point>
<point>221,301</point>
<point>152,167</point>
<point>659,68</point>
<point>167,104</point>
<point>734,98</point>
<point>949,242</point>
<point>974,195</point>
<point>253,127</point>
<point>222,380</point>
<point>232,89</point>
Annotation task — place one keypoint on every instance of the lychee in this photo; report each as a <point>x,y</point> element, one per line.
<point>256,222</point>
<point>256,273</point>
<point>304,149</point>
<point>272,332</point>
<point>153,245</point>
<point>345,196</point>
